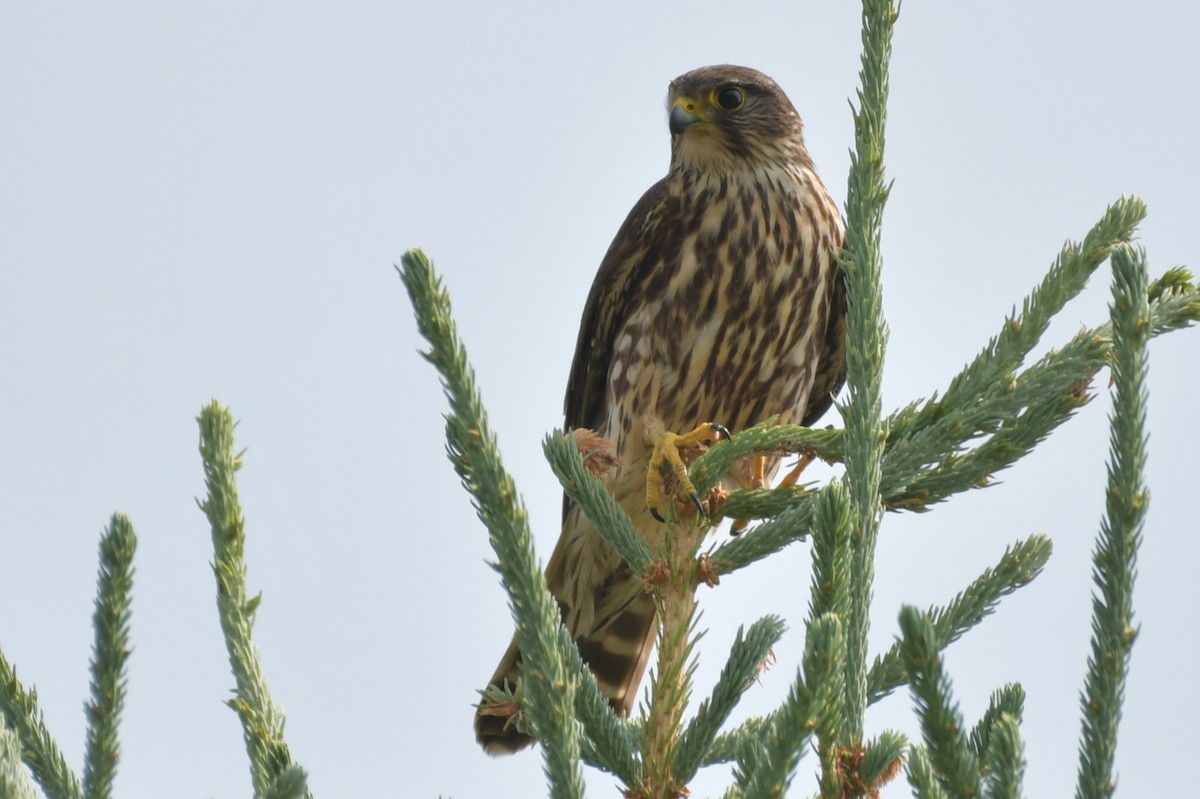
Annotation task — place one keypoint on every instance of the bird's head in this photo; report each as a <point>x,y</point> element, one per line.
<point>728,117</point>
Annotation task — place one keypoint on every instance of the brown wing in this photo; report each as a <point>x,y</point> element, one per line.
<point>830,379</point>
<point>633,250</point>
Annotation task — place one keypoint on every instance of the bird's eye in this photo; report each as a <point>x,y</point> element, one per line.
<point>730,98</point>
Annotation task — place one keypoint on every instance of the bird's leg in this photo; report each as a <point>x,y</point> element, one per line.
<point>792,477</point>
<point>757,479</point>
<point>665,461</point>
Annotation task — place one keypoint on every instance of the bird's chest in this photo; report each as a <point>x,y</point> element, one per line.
<point>717,334</point>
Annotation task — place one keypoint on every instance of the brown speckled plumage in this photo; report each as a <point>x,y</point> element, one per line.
<point>719,300</point>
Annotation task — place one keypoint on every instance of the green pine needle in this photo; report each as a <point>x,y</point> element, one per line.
<point>19,708</point>
<point>1018,566</point>
<point>290,783</point>
<point>882,759</point>
<point>111,651</point>
<point>750,650</point>
<point>1005,759</point>
<point>1115,557</point>
<point>548,689</point>
<point>596,500</point>
<point>941,723</point>
<point>1010,701</point>
<point>766,765</point>
<point>866,340</point>
<point>262,720</point>
<point>922,777</point>
<point>609,742</point>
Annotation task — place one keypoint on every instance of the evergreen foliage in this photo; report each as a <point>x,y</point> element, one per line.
<point>993,413</point>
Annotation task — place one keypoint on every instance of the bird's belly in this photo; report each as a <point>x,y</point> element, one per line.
<point>676,367</point>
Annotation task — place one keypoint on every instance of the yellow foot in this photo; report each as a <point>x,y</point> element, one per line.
<point>757,480</point>
<point>666,461</point>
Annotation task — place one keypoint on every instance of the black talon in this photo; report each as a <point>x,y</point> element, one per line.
<point>699,505</point>
<point>720,430</point>
<point>654,512</point>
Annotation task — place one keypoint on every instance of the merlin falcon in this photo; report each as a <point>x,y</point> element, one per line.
<point>719,302</point>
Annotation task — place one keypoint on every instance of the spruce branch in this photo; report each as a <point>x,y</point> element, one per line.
<point>993,368</point>
<point>674,592</point>
<point>790,525</point>
<point>881,760</point>
<point>922,777</point>
<point>290,783</point>
<point>14,779</point>
<point>109,655</point>
<point>609,742</point>
<point>1005,760</point>
<point>724,747</point>
<point>1033,404</point>
<point>595,500</point>
<point>832,551</point>
<point>763,438</point>
<point>941,723</point>
<point>750,650</point>
<point>262,720</point>
<point>1018,566</point>
<point>548,689</point>
<point>866,338</point>
<point>927,465</point>
<point>40,753</point>
<point>1010,701</point>
<point>767,763</point>
<point>1115,557</point>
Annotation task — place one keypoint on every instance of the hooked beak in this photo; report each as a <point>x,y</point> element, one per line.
<point>682,119</point>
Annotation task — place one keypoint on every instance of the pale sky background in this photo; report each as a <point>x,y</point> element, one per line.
<point>204,200</point>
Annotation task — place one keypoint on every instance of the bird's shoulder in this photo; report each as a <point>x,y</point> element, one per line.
<point>632,252</point>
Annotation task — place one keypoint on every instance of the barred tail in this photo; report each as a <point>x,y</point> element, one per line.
<point>496,734</point>
<point>617,653</point>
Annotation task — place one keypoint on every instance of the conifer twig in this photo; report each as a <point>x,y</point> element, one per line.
<point>882,758</point>
<point>674,592</point>
<point>1009,700</point>
<point>1019,564</point>
<point>595,500</point>
<point>766,763</point>
<point>1047,394</point>
<point>1021,332</point>
<point>1115,557</point>
<point>290,783</point>
<point>1005,759</point>
<point>38,749</point>
<point>548,690</point>
<point>110,653</point>
<point>14,779</point>
<point>941,723</point>
<point>725,746</point>
<point>766,436</point>
<point>262,720</point>
<point>866,339</point>
<point>750,649</point>
<point>790,525</point>
<point>922,777</point>
<point>832,551</point>
<point>610,741</point>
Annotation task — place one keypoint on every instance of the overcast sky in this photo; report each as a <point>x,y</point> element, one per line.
<point>204,200</point>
